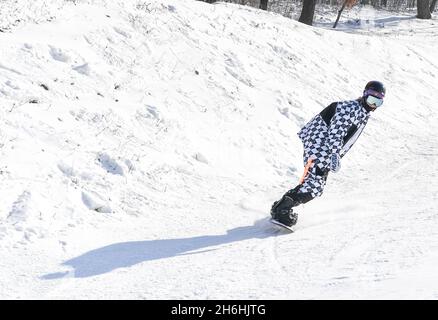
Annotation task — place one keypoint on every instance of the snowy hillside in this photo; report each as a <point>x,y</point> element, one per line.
<point>142,144</point>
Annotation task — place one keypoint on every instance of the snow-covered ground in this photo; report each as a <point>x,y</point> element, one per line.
<point>142,144</point>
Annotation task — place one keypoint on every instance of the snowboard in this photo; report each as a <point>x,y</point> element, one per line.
<point>278,223</point>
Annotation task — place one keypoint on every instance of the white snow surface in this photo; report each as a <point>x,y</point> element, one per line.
<point>142,144</point>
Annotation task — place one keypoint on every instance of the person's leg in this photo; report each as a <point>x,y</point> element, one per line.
<point>310,188</point>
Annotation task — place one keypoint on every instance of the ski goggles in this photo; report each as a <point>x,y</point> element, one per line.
<point>375,101</point>
<point>374,97</point>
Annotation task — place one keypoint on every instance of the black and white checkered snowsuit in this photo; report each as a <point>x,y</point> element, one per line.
<point>333,130</point>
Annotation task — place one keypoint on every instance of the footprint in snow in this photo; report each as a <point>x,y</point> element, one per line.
<point>59,55</point>
<point>93,201</point>
<point>109,164</point>
<point>83,69</point>
<point>18,212</point>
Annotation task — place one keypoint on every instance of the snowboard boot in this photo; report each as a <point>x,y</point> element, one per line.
<point>282,211</point>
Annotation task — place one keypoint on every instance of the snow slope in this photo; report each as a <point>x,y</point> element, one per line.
<point>142,144</point>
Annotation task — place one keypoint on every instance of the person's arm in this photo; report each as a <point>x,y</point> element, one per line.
<point>339,125</point>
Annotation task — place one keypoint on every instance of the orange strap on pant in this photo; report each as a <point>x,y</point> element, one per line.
<point>306,170</point>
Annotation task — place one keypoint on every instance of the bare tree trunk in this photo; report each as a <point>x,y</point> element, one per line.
<point>263,4</point>
<point>423,11</point>
<point>307,12</point>
<point>432,6</point>
<point>339,13</point>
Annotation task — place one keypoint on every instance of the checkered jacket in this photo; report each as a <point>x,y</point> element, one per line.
<point>334,130</point>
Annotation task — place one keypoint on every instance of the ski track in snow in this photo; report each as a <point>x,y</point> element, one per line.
<point>142,149</point>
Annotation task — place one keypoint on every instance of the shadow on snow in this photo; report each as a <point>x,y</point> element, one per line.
<point>365,22</point>
<point>126,254</point>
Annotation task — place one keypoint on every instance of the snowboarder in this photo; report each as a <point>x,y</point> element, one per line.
<point>326,139</point>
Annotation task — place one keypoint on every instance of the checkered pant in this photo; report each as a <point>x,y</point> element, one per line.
<point>314,143</point>
<point>316,178</point>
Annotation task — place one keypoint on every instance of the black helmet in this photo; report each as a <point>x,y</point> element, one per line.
<point>374,88</point>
